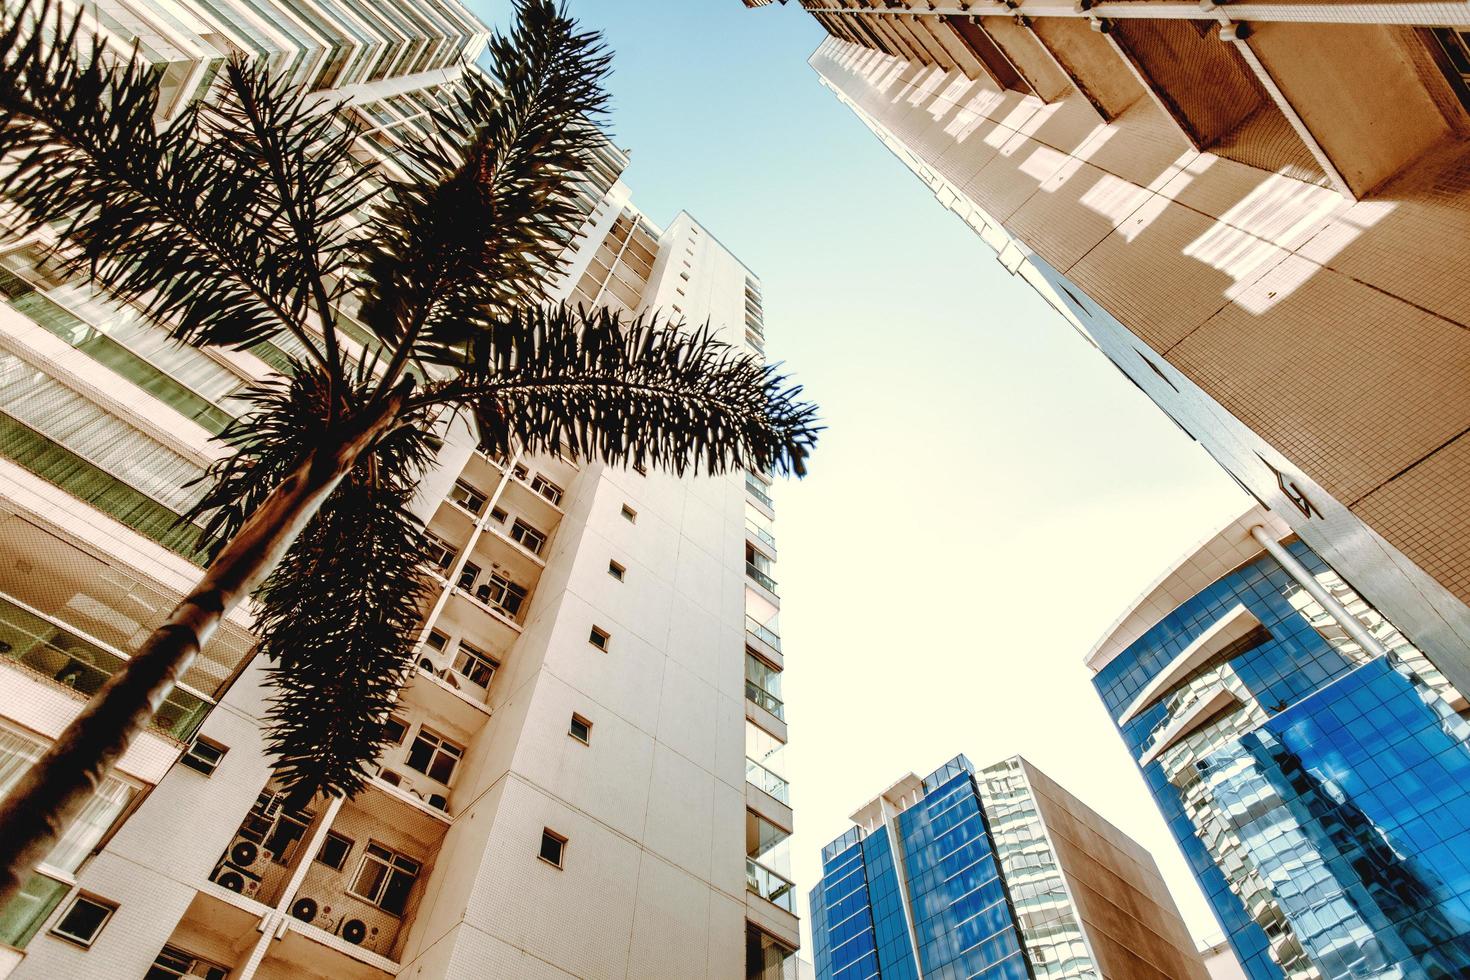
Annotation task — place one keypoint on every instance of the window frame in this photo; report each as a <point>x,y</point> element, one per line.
<point>439,744</point>
<point>561,841</point>
<point>586,737</point>
<point>346,854</point>
<point>472,654</point>
<point>188,759</point>
<point>388,860</point>
<point>77,899</point>
<point>600,638</point>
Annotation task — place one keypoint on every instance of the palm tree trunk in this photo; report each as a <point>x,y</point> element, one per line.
<point>53,792</point>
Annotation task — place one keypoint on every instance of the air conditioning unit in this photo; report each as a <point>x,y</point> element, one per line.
<point>359,933</point>
<point>241,880</point>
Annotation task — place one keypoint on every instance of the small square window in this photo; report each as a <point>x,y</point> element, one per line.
<point>640,469</point>
<point>204,755</point>
<point>600,638</point>
<point>497,515</point>
<point>334,850</point>
<point>553,847</point>
<point>84,920</point>
<point>393,731</point>
<point>580,729</point>
<point>630,515</point>
<point>616,571</point>
<point>437,640</point>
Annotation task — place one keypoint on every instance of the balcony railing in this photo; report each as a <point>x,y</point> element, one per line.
<point>759,577</point>
<point>763,779</point>
<point>759,695</point>
<point>761,633</point>
<point>753,487</point>
<point>761,533</point>
<point>72,662</point>
<point>770,886</point>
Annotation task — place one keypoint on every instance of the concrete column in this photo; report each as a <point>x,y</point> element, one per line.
<point>1302,577</point>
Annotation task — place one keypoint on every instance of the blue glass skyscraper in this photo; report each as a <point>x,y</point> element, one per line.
<point>993,874</point>
<point>1312,764</point>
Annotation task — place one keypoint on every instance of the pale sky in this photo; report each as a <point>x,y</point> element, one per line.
<point>990,493</point>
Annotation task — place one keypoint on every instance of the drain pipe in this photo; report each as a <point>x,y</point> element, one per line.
<point>1307,581</point>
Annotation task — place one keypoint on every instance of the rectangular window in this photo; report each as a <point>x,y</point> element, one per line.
<point>434,756</point>
<point>600,638</point>
<point>639,468</point>
<point>385,878</point>
<point>394,729</point>
<point>173,962</point>
<point>468,574</point>
<point>476,667</point>
<point>437,640</point>
<point>527,536</point>
<point>498,515</point>
<point>83,921</point>
<point>616,571</point>
<point>547,489</point>
<point>467,497</point>
<point>203,755</point>
<point>437,552</point>
<point>334,850</point>
<point>580,729</point>
<point>553,847</point>
<point>502,592</point>
<point>630,515</point>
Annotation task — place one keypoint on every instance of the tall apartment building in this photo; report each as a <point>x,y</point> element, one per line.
<point>1256,211</point>
<point>587,776</point>
<point>1311,762</point>
<point>992,874</point>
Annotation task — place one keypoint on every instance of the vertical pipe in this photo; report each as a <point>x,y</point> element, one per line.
<point>1335,609</point>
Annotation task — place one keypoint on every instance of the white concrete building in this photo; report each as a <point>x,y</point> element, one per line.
<point>587,781</point>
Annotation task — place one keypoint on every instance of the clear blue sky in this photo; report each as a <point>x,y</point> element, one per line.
<point>990,493</point>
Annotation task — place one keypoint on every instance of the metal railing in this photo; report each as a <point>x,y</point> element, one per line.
<point>761,633</point>
<point>761,533</point>
<point>770,886</point>
<point>768,782</point>
<point>759,695</point>
<point>760,577</point>
<point>752,487</point>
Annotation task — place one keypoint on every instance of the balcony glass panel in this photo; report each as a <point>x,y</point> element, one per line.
<point>760,577</point>
<point>770,886</point>
<point>762,633</point>
<point>762,778</point>
<point>754,488</point>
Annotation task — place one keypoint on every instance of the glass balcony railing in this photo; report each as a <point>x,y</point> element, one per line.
<point>763,779</point>
<point>770,886</point>
<point>70,661</point>
<point>759,695</point>
<point>763,634</point>
<point>759,577</point>
<point>761,533</point>
<point>753,487</point>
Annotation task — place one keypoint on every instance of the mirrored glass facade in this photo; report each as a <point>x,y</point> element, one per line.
<point>958,877</point>
<point>1318,791</point>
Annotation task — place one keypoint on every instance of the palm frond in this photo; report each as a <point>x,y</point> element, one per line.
<point>643,392</point>
<point>482,226</point>
<point>156,214</point>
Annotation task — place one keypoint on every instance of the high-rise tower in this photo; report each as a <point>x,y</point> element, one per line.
<point>1255,211</point>
<point>587,776</point>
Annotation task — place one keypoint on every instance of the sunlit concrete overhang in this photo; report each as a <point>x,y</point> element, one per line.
<point>1407,14</point>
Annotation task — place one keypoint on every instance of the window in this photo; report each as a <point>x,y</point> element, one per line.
<point>468,574</point>
<point>1454,59</point>
<point>334,850</point>
<point>438,553</point>
<point>639,468</point>
<point>498,515</point>
<point>476,667</point>
<point>174,962</point>
<point>630,515</point>
<point>394,729</point>
<point>527,536</point>
<point>385,878</point>
<point>553,847</point>
<point>580,729</point>
<point>434,755</point>
<point>203,755</point>
<point>616,571</point>
<point>547,489</point>
<point>437,640</point>
<point>501,591</point>
<point>84,920</point>
<point>467,497</point>
<point>600,638</point>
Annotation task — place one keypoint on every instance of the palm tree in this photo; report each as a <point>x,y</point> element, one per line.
<point>248,217</point>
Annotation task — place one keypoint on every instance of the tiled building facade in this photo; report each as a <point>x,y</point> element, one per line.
<point>1255,211</point>
<point>587,777</point>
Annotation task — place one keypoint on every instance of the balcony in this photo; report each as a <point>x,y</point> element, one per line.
<point>756,694</point>
<point>766,636</point>
<point>767,782</point>
<point>765,883</point>
<point>67,661</point>
<point>760,578</point>
<point>754,488</point>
